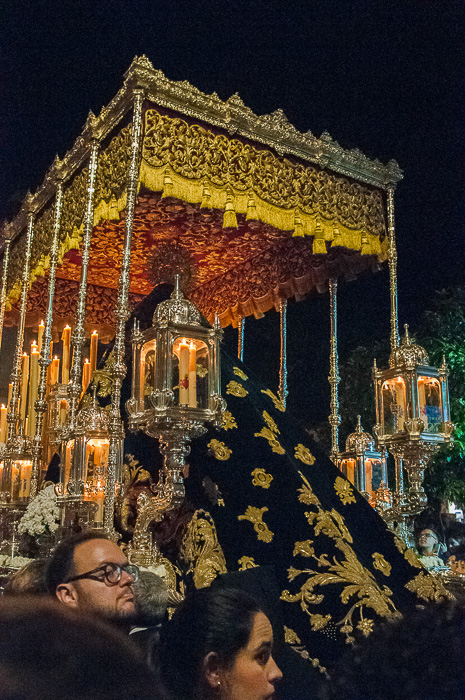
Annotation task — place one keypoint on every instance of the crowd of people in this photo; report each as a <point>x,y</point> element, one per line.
<point>87,624</point>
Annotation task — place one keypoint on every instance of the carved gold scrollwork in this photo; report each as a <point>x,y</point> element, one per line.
<point>201,551</point>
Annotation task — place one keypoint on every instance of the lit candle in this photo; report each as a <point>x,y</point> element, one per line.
<point>85,374</point>
<point>55,371</point>
<point>24,385</point>
<point>93,351</point>
<point>97,455</point>
<point>3,412</point>
<point>99,500</point>
<point>66,338</point>
<point>192,376</point>
<point>63,411</point>
<point>26,479</point>
<point>33,386</point>
<point>183,373</point>
<point>40,335</point>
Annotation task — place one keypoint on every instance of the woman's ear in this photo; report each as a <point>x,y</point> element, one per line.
<point>212,670</point>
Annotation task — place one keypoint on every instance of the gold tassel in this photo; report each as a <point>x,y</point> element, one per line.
<point>337,241</point>
<point>206,198</point>
<point>319,245</point>
<point>298,226</point>
<point>251,209</point>
<point>229,217</point>
<point>167,186</point>
<point>365,247</point>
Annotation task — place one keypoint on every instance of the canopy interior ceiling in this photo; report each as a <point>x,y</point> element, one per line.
<point>259,226</point>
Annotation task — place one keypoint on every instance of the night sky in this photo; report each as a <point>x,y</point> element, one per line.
<point>385,77</point>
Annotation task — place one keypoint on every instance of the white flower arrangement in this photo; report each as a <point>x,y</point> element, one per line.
<point>42,514</point>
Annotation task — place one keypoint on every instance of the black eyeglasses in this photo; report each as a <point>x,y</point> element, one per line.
<point>109,574</point>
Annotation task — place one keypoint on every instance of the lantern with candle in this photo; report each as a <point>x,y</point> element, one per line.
<point>81,490</point>
<point>412,417</point>
<point>175,388</point>
<point>361,463</point>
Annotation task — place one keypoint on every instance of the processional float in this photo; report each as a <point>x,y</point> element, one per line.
<point>266,212</point>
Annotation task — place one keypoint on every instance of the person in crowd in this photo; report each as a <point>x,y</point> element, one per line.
<point>29,580</point>
<point>90,572</point>
<point>455,537</point>
<point>218,644</point>
<point>151,597</point>
<point>49,652</point>
<point>419,657</point>
<point>427,542</point>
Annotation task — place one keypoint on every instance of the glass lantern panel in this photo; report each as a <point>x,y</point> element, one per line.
<point>68,462</point>
<point>368,465</point>
<point>97,450</point>
<point>190,368</point>
<point>147,373</point>
<point>394,405</point>
<point>376,472</point>
<point>429,399</point>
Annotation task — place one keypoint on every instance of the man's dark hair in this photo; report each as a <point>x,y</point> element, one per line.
<point>49,652</point>
<point>216,620</point>
<point>61,564</point>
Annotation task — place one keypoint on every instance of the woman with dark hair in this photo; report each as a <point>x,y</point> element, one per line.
<point>218,645</point>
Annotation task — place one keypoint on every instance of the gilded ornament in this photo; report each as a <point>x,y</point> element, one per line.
<point>261,478</point>
<point>408,553</point>
<point>276,401</point>
<point>291,637</point>
<point>201,551</point>
<point>365,626</point>
<point>255,515</point>
<point>228,421</point>
<point>306,493</point>
<point>246,563</point>
<point>428,587</point>
<point>270,422</point>
<point>319,622</point>
<point>239,373</point>
<point>380,563</point>
<point>236,389</point>
<point>344,490</point>
<point>304,454</point>
<point>220,450</point>
<point>304,548</point>
<point>272,440</point>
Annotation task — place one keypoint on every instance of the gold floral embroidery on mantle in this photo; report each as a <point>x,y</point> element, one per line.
<point>360,590</point>
<point>294,641</point>
<point>255,515</point>
<point>261,478</point>
<point>344,490</point>
<point>428,587</point>
<point>228,421</point>
<point>269,433</point>
<point>380,563</point>
<point>304,454</point>
<point>246,563</point>
<point>270,422</point>
<point>201,551</point>
<point>239,373</point>
<point>277,402</point>
<point>236,389</point>
<point>220,450</point>
<point>408,553</point>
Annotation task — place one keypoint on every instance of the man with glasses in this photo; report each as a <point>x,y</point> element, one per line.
<point>427,546</point>
<point>90,572</point>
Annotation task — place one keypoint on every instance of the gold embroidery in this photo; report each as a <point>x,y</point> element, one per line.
<point>427,587</point>
<point>306,494</point>
<point>365,626</point>
<point>236,389</point>
<point>359,587</point>
<point>239,373</point>
<point>380,563</point>
<point>220,450</point>
<point>229,422</point>
<point>277,402</point>
<point>246,563</point>
<point>272,440</point>
<point>319,622</point>
<point>344,490</point>
<point>291,638</point>
<point>270,422</point>
<point>408,553</point>
<point>201,550</point>
<point>255,515</point>
<point>304,454</point>
<point>304,548</point>
<point>261,478</point>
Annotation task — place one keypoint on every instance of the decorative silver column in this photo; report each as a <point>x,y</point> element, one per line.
<point>282,390</point>
<point>334,378</point>
<point>240,339</point>
<point>392,274</point>
<point>79,335</point>
<point>121,316</point>
<point>45,359</point>
<point>6,259</point>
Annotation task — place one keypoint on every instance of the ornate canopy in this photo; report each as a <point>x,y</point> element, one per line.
<point>266,212</point>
